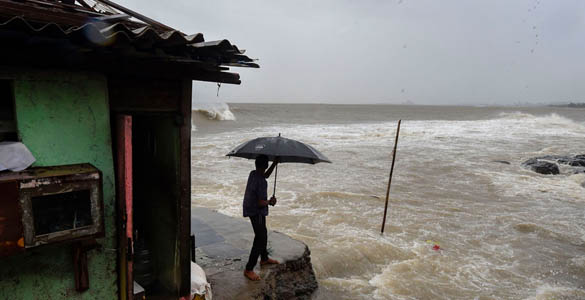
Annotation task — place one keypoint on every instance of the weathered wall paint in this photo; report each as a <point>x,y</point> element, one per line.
<point>63,118</point>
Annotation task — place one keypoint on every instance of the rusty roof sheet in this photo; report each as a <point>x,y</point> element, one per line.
<point>95,34</point>
<point>52,29</point>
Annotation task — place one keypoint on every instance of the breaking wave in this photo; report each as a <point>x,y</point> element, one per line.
<point>547,123</point>
<point>552,118</point>
<point>496,223</point>
<point>215,111</point>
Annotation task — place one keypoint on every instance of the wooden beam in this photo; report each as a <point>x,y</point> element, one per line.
<point>112,18</point>
<point>185,189</point>
<point>113,65</point>
<point>125,207</point>
<point>220,77</point>
<point>84,4</point>
<point>166,69</point>
<point>146,94</point>
<point>136,15</point>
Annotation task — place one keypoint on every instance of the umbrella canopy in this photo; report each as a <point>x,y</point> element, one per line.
<point>287,150</point>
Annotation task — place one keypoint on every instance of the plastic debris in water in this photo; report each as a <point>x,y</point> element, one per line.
<point>436,246</point>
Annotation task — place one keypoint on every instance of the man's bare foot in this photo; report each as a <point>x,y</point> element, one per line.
<point>251,275</point>
<point>269,261</point>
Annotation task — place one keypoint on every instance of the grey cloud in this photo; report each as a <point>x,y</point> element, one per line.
<point>422,51</point>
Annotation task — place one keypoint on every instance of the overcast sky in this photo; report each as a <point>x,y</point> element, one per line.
<point>396,51</point>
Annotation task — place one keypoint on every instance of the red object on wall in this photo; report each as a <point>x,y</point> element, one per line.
<point>124,170</point>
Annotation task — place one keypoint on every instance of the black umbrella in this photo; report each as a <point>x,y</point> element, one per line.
<point>286,150</point>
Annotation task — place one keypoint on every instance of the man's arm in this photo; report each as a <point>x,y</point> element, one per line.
<point>269,171</point>
<point>262,202</point>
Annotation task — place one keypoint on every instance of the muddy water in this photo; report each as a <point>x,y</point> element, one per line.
<point>503,232</point>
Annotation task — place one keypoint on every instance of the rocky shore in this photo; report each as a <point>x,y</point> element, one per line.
<point>557,164</point>
<point>551,164</point>
<point>222,247</point>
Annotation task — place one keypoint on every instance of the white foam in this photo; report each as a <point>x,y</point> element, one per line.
<point>552,120</point>
<point>578,262</point>
<point>446,187</point>
<point>548,118</point>
<point>217,111</point>
<point>548,291</point>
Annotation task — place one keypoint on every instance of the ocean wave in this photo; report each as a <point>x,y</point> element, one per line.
<point>548,233</point>
<point>548,291</point>
<point>551,119</point>
<point>215,111</point>
<point>487,215</point>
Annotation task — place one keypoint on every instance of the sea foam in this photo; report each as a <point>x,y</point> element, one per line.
<point>217,111</point>
<point>496,223</point>
<point>545,120</point>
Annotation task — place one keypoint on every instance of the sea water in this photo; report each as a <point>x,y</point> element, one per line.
<point>461,224</point>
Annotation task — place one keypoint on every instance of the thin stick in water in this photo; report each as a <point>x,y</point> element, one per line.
<point>390,178</point>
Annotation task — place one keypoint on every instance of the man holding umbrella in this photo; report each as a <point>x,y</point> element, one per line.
<point>256,208</point>
<point>263,149</point>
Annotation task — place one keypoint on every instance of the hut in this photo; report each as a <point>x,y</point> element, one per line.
<point>101,96</point>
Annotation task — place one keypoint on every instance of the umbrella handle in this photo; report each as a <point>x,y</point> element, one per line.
<point>275,175</point>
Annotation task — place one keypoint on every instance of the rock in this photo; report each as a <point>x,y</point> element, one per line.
<point>578,161</point>
<point>583,184</point>
<point>548,164</point>
<point>542,167</point>
<point>574,161</point>
<point>225,243</point>
<point>501,161</point>
<point>552,157</point>
<point>291,280</point>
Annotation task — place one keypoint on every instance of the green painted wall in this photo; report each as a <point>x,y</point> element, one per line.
<point>63,118</point>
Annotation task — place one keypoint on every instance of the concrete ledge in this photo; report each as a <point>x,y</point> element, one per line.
<point>222,247</point>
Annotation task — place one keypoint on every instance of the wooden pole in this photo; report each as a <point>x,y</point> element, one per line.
<point>390,178</point>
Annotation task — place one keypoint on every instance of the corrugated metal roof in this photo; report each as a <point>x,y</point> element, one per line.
<point>90,30</point>
<point>98,35</point>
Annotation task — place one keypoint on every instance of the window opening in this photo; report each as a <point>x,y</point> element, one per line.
<point>60,212</point>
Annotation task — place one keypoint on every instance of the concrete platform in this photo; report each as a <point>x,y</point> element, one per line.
<point>222,248</point>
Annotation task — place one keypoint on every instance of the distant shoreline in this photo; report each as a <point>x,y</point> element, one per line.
<point>569,105</point>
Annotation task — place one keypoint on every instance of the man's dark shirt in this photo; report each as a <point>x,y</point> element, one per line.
<point>255,189</point>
